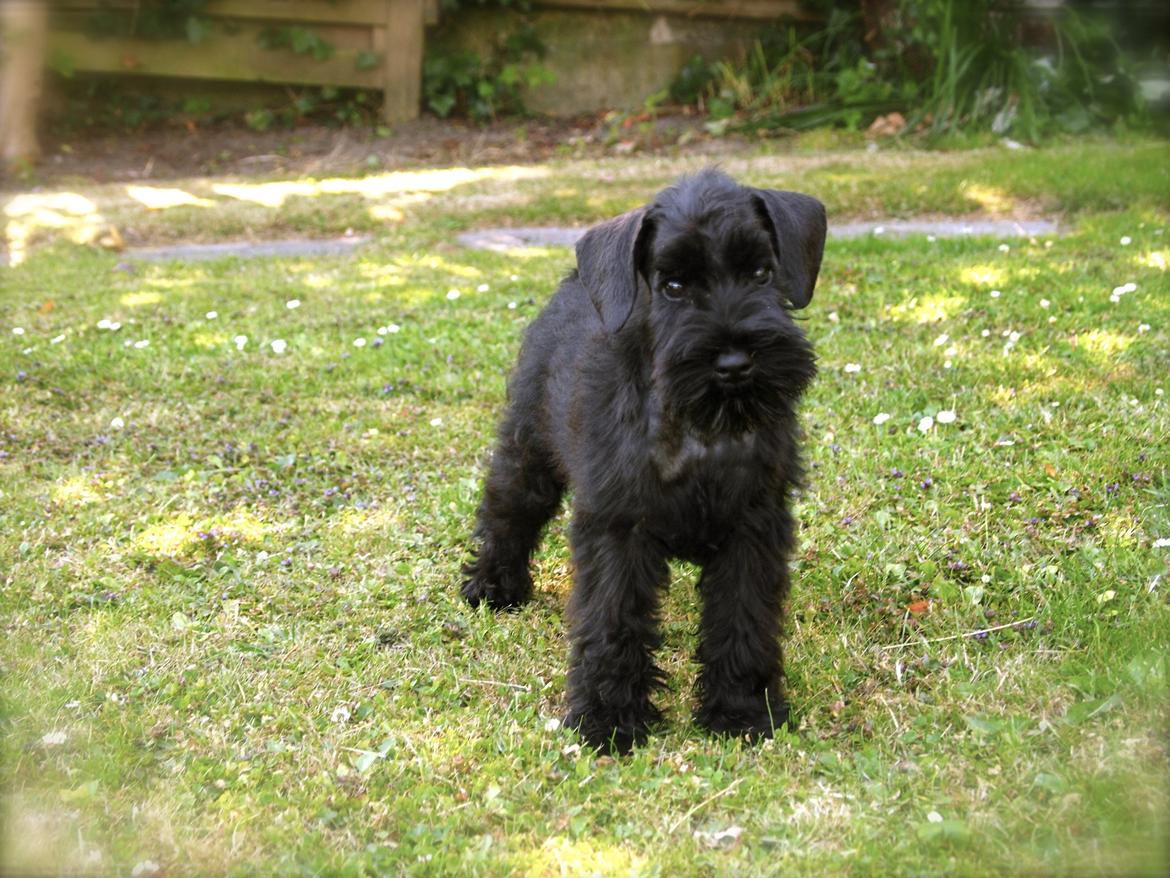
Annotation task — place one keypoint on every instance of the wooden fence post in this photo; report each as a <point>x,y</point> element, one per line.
<point>402,60</point>
<point>23,24</point>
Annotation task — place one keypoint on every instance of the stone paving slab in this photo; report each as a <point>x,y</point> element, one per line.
<point>504,240</point>
<point>246,249</point>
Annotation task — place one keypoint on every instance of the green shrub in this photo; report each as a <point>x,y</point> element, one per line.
<point>949,65</point>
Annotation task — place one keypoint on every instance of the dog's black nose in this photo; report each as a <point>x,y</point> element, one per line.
<point>733,365</point>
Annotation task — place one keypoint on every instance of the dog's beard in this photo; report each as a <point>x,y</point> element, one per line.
<point>783,365</point>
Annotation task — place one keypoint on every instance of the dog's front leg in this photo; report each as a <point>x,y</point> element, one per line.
<point>743,589</point>
<point>614,618</point>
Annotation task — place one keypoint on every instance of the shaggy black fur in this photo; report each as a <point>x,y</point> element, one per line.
<point>661,383</point>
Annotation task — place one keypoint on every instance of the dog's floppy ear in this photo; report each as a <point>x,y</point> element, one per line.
<point>607,263</point>
<point>798,235</point>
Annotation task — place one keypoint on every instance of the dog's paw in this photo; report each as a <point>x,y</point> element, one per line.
<point>610,731</point>
<point>603,734</point>
<point>498,592</point>
<point>754,718</point>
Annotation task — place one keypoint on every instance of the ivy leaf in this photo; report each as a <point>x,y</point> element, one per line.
<point>197,29</point>
<point>1086,710</point>
<point>61,63</point>
<point>301,39</point>
<point>982,725</point>
<point>442,104</point>
<point>366,760</point>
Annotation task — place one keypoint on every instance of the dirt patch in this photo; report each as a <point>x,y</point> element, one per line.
<point>176,152</point>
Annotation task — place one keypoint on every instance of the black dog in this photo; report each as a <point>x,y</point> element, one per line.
<point>661,384</point>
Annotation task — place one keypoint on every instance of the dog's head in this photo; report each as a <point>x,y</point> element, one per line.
<point>710,273</point>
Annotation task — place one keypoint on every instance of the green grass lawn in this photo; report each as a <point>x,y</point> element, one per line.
<point>232,636</point>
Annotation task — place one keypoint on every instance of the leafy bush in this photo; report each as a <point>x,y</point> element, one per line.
<point>302,40</point>
<point>948,65</point>
<point>485,86</point>
<point>161,19</point>
<point>982,75</point>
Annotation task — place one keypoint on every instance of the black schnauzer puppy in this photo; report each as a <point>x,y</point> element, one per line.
<point>661,384</point>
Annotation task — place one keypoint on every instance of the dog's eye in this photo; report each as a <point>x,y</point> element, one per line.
<point>762,275</point>
<point>673,289</point>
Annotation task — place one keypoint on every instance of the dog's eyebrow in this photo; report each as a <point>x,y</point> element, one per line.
<point>747,247</point>
<point>686,255</point>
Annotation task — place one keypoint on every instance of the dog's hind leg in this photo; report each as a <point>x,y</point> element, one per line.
<point>614,618</point>
<point>522,492</point>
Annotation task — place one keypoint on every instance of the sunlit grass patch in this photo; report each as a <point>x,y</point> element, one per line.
<point>181,536</point>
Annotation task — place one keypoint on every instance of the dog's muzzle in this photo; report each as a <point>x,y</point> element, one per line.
<point>733,368</point>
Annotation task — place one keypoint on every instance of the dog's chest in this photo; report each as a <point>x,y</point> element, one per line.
<point>691,458</point>
<point>704,485</point>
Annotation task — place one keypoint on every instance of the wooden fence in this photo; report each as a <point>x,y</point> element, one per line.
<point>376,44</point>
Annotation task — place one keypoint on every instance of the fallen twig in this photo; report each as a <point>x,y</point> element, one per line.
<point>516,686</point>
<point>957,636</point>
<point>707,801</point>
